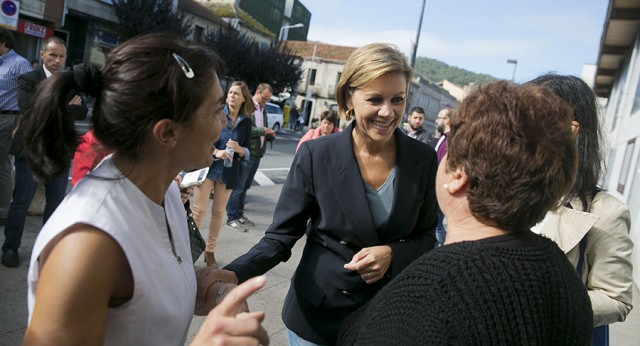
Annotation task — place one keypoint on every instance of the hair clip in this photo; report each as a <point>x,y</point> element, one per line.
<point>188,72</point>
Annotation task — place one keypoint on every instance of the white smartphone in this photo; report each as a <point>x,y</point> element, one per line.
<point>194,178</point>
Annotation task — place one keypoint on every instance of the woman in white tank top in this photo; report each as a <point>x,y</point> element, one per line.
<point>112,265</point>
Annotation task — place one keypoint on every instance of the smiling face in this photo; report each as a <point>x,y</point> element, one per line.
<point>234,97</point>
<point>378,106</point>
<point>203,130</point>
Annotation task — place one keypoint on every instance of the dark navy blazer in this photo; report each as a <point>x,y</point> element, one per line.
<point>325,186</point>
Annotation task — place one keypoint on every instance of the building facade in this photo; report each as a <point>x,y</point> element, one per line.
<point>617,79</point>
<point>90,27</point>
<point>263,20</point>
<point>323,64</point>
<point>431,97</point>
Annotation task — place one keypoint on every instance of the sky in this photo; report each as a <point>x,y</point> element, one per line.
<point>476,35</point>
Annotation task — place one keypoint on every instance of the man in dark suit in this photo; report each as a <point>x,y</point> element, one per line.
<point>53,54</point>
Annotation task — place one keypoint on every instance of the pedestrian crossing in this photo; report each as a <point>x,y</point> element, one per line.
<point>270,176</point>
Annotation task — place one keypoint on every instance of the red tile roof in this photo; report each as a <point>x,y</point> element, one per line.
<point>324,51</point>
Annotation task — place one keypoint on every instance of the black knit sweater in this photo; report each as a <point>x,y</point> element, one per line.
<point>515,289</point>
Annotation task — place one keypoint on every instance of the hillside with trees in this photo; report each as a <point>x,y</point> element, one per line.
<point>438,71</point>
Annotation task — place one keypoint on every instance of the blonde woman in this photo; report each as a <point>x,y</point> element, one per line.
<point>368,195</point>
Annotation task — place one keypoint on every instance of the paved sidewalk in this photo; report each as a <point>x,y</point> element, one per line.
<point>261,201</point>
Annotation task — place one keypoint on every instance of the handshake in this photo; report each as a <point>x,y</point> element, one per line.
<point>228,321</point>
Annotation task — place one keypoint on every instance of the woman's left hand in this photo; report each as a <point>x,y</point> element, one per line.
<point>185,193</point>
<point>234,145</point>
<point>371,262</point>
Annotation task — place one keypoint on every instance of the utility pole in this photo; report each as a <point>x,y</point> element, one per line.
<point>515,64</point>
<point>307,109</point>
<point>415,45</point>
<point>413,54</point>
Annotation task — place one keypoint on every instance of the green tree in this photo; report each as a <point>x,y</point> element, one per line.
<point>140,17</point>
<point>438,71</point>
<point>248,62</point>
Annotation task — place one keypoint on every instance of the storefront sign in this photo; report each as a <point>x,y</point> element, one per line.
<point>9,10</point>
<point>34,29</point>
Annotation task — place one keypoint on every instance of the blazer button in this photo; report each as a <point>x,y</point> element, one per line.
<point>343,242</point>
<point>401,241</point>
<point>346,293</point>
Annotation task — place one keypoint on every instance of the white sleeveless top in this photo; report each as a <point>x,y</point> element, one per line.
<point>163,301</point>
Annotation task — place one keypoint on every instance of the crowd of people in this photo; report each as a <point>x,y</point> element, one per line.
<point>494,230</point>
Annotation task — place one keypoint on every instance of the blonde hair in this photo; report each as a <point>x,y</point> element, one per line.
<point>365,65</point>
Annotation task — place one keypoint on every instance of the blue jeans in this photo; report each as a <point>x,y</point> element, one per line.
<point>441,232</point>
<point>235,205</point>
<point>294,340</point>
<point>23,192</point>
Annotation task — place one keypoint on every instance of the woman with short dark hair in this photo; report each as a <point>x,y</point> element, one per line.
<point>328,125</point>
<point>511,158</point>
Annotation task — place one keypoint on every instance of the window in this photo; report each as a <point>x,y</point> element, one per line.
<point>634,194</point>
<point>338,78</point>
<point>198,32</point>
<point>312,77</point>
<point>607,176</point>
<point>624,172</point>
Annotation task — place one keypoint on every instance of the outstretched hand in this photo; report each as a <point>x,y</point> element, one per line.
<point>223,326</point>
<point>207,277</point>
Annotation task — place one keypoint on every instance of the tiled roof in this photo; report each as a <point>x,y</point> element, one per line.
<point>323,50</point>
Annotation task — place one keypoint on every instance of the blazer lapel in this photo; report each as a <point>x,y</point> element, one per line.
<point>348,186</point>
<point>408,167</point>
<point>567,226</point>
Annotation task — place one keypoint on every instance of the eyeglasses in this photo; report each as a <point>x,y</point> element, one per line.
<point>184,65</point>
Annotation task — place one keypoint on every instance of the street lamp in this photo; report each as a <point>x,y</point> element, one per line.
<point>515,64</point>
<point>294,26</point>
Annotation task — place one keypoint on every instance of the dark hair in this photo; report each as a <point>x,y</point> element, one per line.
<point>331,116</point>
<point>516,147</point>
<point>144,80</point>
<point>585,111</point>
<point>7,37</point>
<point>417,109</point>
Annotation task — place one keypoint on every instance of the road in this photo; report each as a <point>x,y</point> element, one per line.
<point>261,201</point>
<point>274,166</point>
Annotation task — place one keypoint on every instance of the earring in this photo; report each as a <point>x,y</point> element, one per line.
<point>445,186</point>
<point>349,114</point>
